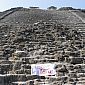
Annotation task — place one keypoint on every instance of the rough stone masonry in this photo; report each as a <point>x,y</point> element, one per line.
<point>33,36</point>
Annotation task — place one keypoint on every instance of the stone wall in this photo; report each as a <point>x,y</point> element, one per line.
<point>50,41</point>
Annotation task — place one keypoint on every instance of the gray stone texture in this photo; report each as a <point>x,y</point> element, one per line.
<point>43,36</point>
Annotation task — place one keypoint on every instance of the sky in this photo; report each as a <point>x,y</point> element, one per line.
<point>44,4</point>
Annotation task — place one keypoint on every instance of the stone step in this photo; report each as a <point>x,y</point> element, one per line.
<point>80,75</point>
<point>19,83</point>
<point>26,66</point>
<point>5,62</point>
<point>23,71</point>
<point>81,79</point>
<point>50,60</point>
<point>76,60</point>
<point>82,82</point>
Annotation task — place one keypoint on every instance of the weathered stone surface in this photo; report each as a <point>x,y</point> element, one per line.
<point>31,36</point>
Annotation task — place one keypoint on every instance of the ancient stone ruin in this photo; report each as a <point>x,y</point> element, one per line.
<point>33,36</point>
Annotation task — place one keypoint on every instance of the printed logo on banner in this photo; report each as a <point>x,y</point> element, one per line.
<point>43,69</point>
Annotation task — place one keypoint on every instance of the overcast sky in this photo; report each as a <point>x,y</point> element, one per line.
<point>7,4</point>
